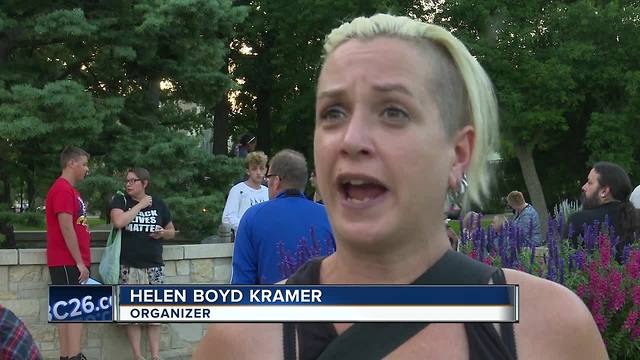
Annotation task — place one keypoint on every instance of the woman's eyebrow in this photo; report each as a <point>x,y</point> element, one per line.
<point>331,93</point>
<point>392,87</point>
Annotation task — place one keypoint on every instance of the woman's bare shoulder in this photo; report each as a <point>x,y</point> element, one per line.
<point>553,320</point>
<point>241,341</point>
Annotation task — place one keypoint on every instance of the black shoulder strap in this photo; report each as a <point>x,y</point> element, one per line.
<point>289,341</point>
<point>507,333</point>
<point>377,340</point>
<point>455,268</point>
<point>370,340</point>
<point>307,274</point>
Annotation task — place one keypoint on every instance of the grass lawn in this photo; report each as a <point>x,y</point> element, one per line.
<point>455,224</point>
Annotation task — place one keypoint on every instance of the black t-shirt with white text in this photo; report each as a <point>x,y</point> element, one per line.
<point>138,249</point>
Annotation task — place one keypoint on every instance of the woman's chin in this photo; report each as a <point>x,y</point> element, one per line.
<point>363,236</point>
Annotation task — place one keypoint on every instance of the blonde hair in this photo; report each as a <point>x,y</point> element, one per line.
<point>515,198</point>
<point>471,221</point>
<point>257,158</point>
<point>480,110</point>
<point>498,221</point>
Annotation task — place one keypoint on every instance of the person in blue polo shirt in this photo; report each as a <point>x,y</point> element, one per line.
<point>276,237</point>
<point>526,217</point>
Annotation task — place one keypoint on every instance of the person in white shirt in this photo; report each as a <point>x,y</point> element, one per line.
<point>634,198</point>
<point>247,193</point>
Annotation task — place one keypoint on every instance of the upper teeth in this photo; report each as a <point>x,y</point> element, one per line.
<point>356,182</point>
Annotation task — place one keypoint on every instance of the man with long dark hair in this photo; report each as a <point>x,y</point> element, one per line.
<point>606,194</point>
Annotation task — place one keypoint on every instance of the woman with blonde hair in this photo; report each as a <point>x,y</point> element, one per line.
<point>403,111</point>
<point>498,222</point>
<point>470,223</point>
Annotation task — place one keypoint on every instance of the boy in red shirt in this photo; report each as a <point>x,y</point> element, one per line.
<point>68,252</point>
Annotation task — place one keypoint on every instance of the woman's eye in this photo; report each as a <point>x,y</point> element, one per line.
<point>395,113</point>
<point>333,114</point>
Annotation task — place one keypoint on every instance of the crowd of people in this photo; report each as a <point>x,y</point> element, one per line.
<point>144,221</point>
<point>606,199</point>
<point>525,219</point>
<point>404,113</point>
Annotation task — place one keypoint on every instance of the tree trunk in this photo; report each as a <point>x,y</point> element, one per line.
<point>264,95</point>
<point>106,199</point>
<point>31,189</point>
<point>152,92</point>
<point>4,50</point>
<point>263,116</point>
<point>221,119</point>
<point>534,187</point>
<point>6,195</point>
<point>221,126</point>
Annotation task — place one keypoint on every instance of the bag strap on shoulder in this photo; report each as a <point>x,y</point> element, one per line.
<point>289,341</point>
<point>507,333</point>
<point>377,340</point>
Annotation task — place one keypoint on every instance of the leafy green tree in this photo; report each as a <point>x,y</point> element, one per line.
<point>193,183</point>
<point>610,80</point>
<point>533,83</point>
<point>555,66</point>
<point>277,55</point>
<point>90,74</point>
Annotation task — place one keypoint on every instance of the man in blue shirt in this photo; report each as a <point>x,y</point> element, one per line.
<point>526,217</point>
<point>277,236</point>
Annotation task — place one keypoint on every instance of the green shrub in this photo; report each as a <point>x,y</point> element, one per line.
<point>30,219</point>
<point>196,217</point>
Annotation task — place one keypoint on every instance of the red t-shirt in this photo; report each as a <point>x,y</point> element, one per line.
<point>64,198</point>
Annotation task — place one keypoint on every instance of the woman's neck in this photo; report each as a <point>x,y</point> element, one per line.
<point>138,197</point>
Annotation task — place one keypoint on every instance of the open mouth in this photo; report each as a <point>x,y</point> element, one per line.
<point>359,191</point>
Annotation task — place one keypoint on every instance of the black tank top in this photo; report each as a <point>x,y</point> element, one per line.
<point>453,268</point>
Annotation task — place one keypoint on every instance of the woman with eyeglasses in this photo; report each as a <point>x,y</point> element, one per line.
<point>145,222</point>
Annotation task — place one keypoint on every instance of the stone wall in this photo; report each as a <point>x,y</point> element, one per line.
<point>24,277</point>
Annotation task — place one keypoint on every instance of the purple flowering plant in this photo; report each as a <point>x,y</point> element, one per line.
<point>607,282</point>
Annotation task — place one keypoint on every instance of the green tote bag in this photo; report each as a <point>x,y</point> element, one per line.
<point>110,262</point>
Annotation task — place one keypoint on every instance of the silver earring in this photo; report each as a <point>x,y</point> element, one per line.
<point>457,194</point>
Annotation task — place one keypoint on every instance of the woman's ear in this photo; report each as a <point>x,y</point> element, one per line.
<point>463,143</point>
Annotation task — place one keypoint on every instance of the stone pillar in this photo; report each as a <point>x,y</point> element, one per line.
<point>225,235</point>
